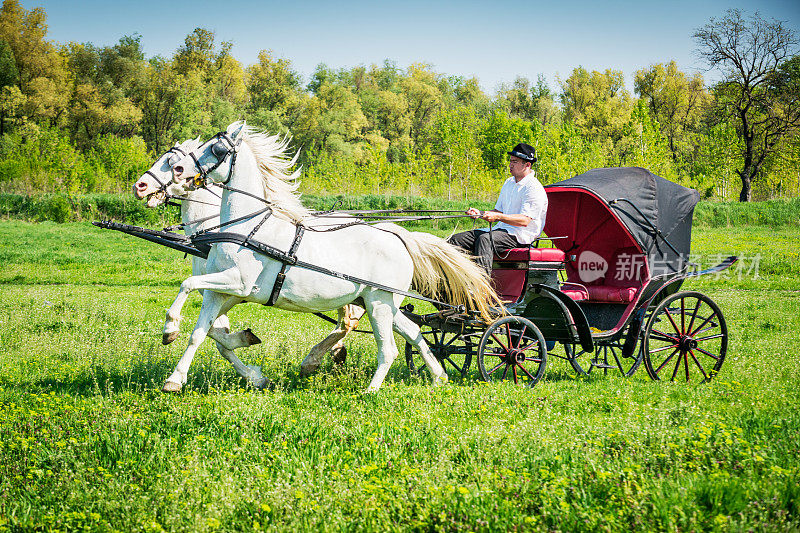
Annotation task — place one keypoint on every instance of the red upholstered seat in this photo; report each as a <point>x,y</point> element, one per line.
<point>575,291</point>
<point>606,293</point>
<point>576,295</point>
<point>533,254</point>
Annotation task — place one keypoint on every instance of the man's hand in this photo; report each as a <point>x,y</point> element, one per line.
<point>491,216</point>
<point>474,213</point>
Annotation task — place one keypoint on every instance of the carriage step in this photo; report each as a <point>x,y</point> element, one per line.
<point>598,364</point>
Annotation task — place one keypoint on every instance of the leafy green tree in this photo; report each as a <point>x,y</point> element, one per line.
<point>600,107</point>
<point>9,101</point>
<point>563,152</point>
<point>676,101</point>
<point>764,106</point>
<point>421,89</point>
<point>123,65</point>
<point>342,123</point>
<point>42,74</point>
<point>196,53</point>
<point>102,81</point>
<point>157,95</point>
<point>518,98</point>
<point>652,150</point>
<point>500,133</point>
<point>455,140</point>
<point>272,86</point>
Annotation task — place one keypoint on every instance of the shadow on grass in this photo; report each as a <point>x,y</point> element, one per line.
<point>139,378</point>
<point>352,377</point>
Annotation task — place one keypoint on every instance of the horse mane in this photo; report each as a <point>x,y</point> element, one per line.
<point>274,163</point>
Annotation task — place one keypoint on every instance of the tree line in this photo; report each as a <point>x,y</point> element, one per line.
<point>83,118</point>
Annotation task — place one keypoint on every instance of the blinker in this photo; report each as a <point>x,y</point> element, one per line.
<point>219,149</point>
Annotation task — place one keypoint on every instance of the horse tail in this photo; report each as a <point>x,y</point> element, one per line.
<point>443,271</point>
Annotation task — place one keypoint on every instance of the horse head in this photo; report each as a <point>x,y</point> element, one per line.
<point>212,161</point>
<point>156,185</point>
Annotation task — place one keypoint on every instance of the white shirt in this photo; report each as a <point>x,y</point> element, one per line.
<point>524,198</point>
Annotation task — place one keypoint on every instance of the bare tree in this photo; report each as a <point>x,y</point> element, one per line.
<point>749,54</point>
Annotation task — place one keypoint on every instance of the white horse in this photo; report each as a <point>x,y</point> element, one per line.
<point>200,210</point>
<point>254,169</point>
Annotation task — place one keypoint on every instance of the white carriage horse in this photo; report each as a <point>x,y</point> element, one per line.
<point>259,205</point>
<point>200,210</point>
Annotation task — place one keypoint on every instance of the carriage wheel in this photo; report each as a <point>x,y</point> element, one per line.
<point>569,355</point>
<point>607,356</point>
<point>512,348</point>
<point>686,331</point>
<point>453,350</point>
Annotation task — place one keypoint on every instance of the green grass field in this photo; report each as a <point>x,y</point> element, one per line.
<point>87,441</point>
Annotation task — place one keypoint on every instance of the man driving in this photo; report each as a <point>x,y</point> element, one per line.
<point>518,216</point>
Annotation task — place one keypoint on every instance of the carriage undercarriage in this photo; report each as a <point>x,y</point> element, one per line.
<point>676,335</point>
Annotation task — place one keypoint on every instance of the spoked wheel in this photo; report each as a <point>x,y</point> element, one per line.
<point>453,350</point>
<point>512,348</point>
<point>568,351</point>
<point>685,334</point>
<point>607,356</point>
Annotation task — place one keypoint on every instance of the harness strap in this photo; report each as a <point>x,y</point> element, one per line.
<point>162,185</point>
<point>281,277</point>
<point>232,151</point>
<point>240,191</point>
<point>207,239</point>
<point>257,226</point>
<point>239,219</point>
<point>184,224</point>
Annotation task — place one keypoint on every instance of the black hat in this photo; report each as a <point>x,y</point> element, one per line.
<point>526,152</point>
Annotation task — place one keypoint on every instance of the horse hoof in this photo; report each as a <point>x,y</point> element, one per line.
<point>264,383</point>
<point>251,337</point>
<point>339,355</point>
<point>171,386</point>
<point>440,381</point>
<point>167,338</point>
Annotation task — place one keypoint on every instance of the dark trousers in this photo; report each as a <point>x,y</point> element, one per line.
<point>477,243</point>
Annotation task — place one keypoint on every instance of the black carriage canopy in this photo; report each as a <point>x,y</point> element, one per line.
<point>656,216</point>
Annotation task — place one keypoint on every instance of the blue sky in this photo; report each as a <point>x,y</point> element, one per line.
<point>493,41</point>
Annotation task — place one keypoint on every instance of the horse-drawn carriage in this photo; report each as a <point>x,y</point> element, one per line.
<point>607,291</point>
<point>603,296</point>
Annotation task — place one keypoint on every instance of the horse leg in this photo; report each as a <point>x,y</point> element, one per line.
<point>352,315</point>
<point>410,332</point>
<point>221,333</point>
<point>348,321</point>
<point>226,279</point>
<point>233,341</point>
<point>213,303</point>
<point>381,310</point>
<point>251,373</point>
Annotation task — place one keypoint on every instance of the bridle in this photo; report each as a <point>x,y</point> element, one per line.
<point>221,149</point>
<point>162,186</point>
